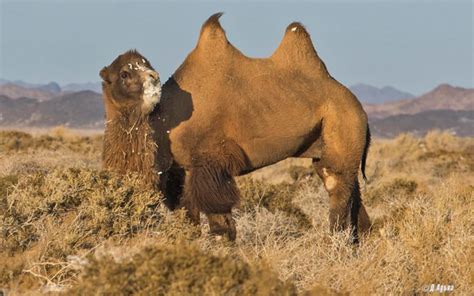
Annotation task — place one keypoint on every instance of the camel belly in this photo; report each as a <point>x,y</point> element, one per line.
<point>274,136</point>
<point>261,152</point>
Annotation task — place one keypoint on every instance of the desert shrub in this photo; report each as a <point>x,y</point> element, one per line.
<point>385,191</point>
<point>58,139</point>
<point>435,156</point>
<point>404,148</point>
<point>445,162</point>
<point>14,140</point>
<point>6,185</point>
<point>180,269</point>
<point>321,290</point>
<point>427,240</point>
<point>298,172</point>
<point>442,140</point>
<point>100,204</point>
<point>274,198</point>
<point>65,212</point>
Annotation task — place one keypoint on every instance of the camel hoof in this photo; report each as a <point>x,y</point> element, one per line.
<point>222,225</point>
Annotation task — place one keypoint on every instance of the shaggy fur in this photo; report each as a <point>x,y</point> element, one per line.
<point>209,185</point>
<point>130,147</point>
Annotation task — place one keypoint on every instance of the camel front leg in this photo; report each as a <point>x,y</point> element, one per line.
<point>215,193</point>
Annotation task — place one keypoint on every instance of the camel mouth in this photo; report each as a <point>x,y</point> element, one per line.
<point>151,94</point>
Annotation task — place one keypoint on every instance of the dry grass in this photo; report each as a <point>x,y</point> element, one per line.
<point>67,226</point>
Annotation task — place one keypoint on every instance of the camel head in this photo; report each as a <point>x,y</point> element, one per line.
<point>130,83</point>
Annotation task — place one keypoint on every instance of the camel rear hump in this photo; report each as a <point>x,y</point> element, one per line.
<point>296,49</point>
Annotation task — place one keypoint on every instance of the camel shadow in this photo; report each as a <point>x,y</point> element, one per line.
<point>175,107</point>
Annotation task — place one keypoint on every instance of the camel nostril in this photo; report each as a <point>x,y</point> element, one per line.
<point>153,76</point>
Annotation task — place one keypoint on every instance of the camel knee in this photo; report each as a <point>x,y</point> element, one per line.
<point>330,180</point>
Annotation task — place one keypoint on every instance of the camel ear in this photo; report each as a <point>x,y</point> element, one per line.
<point>104,73</point>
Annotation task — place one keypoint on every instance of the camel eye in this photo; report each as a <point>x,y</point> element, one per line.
<point>124,74</point>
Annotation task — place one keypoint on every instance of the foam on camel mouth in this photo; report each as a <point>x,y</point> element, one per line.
<point>151,95</point>
<point>151,89</point>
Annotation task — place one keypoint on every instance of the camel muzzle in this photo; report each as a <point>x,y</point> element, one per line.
<point>151,91</point>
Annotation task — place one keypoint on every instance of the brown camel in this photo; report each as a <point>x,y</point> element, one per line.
<point>223,114</point>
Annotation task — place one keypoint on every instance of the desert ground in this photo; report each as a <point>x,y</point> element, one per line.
<point>69,227</point>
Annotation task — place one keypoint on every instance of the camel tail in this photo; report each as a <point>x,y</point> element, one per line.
<point>366,151</point>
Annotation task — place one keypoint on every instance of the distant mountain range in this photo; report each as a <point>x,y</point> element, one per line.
<point>368,94</point>
<point>42,92</point>
<point>15,91</point>
<point>93,86</point>
<point>51,87</point>
<point>75,105</point>
<point>444,96</point>
<point>83,109</point>
<point>460,123</point>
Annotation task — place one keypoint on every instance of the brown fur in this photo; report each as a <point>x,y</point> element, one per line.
<point>130,147</point>
<point>227,114</point>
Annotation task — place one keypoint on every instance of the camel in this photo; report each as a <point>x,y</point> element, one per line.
<point>223,114</point>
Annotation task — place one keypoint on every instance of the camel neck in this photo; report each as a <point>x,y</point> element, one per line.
<point>129,146</point>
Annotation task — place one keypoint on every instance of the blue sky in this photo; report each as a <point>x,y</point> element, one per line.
<point>411,45</point>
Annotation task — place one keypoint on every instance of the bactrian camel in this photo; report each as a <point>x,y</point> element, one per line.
<point>223,114</point>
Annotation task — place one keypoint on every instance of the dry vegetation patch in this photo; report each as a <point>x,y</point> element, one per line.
<point>55,214</point>
<point>55,139</point>
<point>178,269</point>
<point>67,226</point>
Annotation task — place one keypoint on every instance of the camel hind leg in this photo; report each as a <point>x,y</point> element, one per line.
<point>339,170</point>
<point>346,209</point>
<point>344,144</point>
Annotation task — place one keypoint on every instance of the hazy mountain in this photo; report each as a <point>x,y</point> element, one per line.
<point>444,96</point>
<point>16,91</point>
<point>93,86</point>
<point>460,123</point>
<point>16,112</point>
<point>79,109</point>
<point>372,95</point>
<point>52,87</point>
